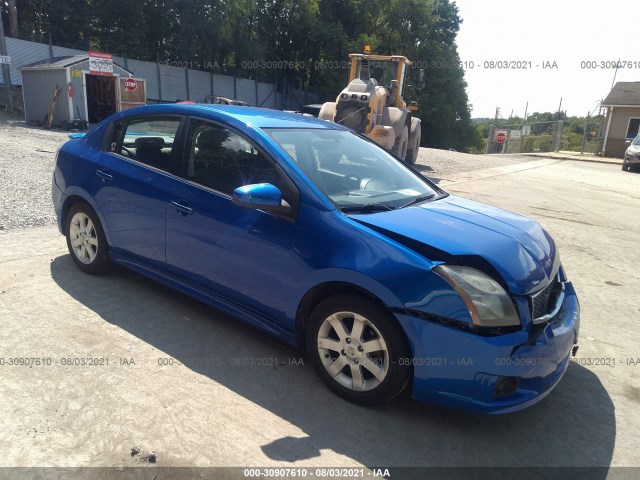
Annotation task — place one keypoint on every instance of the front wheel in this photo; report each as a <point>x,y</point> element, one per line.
<point>402,143</point>
<point>86,240</point>
<point>358,350</point>
<point>412,152</point>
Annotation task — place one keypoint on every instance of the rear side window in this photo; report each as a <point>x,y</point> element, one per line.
<point>149,140</point>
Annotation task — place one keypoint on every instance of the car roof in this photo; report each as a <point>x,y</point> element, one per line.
<point>258,117</point>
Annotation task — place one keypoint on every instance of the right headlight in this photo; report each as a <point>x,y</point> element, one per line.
<point>488,303</point>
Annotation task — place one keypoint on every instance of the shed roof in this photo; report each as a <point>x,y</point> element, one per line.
<point>60,63</point>
<point>623,93</point>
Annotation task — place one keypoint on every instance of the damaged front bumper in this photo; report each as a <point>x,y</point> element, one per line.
<point>495,374</point>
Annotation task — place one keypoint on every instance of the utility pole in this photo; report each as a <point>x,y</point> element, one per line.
<point>524,119</point>
<point>6,74</point>
<point>559,107</point>
<point>615,73</point>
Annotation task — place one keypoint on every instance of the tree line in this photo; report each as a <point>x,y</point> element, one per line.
<point>298,43</point>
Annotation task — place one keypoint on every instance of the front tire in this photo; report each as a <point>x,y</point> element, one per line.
<point>401,144</point>
<point>358,350</point>
<point>86,240</point>
<point>415,137</point>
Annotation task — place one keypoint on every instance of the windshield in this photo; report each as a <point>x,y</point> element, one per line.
<point>382,71</point>
<point>636,141</point>
<point>353,172</point>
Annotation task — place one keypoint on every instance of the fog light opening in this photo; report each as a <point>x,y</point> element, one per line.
<point>506,386</point>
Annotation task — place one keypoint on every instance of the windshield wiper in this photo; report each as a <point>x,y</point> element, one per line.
<point>371,207</point>
<point>418,199</point>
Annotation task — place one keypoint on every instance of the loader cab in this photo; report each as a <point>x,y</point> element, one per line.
<point>384,69</point>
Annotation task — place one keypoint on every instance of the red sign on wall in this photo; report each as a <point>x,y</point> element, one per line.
<point>131,84</point>
<point>100,63</point>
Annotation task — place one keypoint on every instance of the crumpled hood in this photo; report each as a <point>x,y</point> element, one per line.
<point>516,246</point>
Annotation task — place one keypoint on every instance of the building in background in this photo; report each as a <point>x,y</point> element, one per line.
<point>623,118</point>
<point>87,87</point>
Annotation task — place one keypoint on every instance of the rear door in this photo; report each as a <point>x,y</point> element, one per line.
<point>133,178</point>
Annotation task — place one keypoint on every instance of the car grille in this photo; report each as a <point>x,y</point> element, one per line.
<point>545,304</point>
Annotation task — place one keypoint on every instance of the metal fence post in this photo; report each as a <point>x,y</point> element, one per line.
<point>6,73</point>
<point>186,80</point>
<point>256,85</point>
<point>558,135</point>
<point>159,76</point>
<point>492,132</point>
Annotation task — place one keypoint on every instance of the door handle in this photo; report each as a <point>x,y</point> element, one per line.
<point>181,208</point>
<point>104,175</point>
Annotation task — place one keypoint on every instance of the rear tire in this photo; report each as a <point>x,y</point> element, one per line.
<point>86,241</point>
<point>358,350</point>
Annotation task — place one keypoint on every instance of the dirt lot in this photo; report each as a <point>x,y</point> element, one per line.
<point>131,374</point>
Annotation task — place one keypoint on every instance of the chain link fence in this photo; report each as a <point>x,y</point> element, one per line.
<point>526,137</point>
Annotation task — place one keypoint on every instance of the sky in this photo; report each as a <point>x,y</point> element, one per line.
<point>574,34</point>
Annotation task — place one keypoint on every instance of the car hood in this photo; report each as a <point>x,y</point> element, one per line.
<point>518,248</point>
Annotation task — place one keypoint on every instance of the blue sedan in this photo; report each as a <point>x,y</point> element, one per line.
<point>320,237</point>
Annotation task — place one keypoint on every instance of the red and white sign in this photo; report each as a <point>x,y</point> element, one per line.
<point>100,63</point>
<point>501,137</point>
<point>131,84</point>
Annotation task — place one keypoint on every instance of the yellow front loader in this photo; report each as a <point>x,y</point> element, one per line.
<point>373,104</point>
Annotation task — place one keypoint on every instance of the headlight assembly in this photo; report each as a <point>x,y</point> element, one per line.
<point>488,303</point>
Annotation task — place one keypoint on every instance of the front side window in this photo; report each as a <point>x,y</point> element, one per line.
<point>148,140</point>
<point>222,160</point>
<point>353,172</point>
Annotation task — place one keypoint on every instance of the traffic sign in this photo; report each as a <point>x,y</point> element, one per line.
<point>131,84</point>
<point>5,59</point>
<point>501,137</point>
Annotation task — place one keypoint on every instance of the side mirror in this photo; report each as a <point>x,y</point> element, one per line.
<point>262,196</point>
<point>627,143</point>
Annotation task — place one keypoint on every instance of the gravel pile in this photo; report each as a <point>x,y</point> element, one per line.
<point>27,157</point>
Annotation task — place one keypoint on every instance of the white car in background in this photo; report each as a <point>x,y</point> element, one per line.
<point>632,155</point>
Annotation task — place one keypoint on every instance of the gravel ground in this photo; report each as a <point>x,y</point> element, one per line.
<point>448,165</point>
<point>27,157</point>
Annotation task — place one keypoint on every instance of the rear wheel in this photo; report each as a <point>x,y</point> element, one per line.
<point>358,350</point>
<point>85,239</point>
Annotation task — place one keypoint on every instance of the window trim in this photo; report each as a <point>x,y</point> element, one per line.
<point>177,147</point>
<point>626,133</point>
<point>293,190</point>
